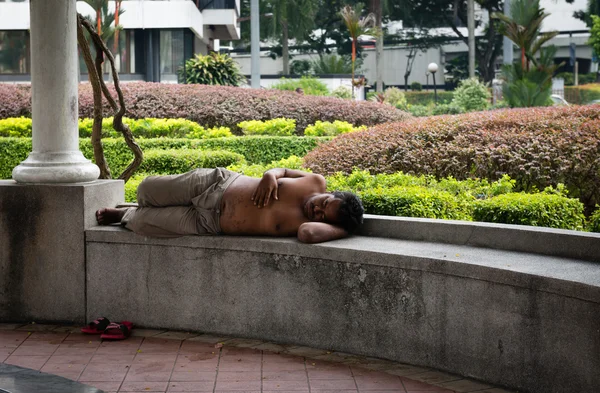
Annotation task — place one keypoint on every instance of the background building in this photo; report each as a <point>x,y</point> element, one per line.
<point>157,36</point>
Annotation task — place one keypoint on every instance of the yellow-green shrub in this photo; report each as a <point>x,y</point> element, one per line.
<point>327,128</point>
<point>277,127</point>
<point>15,127</point>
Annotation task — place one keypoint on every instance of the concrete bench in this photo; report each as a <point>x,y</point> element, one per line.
<point>509,305</point>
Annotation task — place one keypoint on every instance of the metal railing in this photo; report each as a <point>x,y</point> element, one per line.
<point>215,4</point>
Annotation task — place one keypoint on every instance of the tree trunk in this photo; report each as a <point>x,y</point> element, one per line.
<point>116,39</point>
<point>99,22</point>
<point>377,9</point>
<point>285,53</point>
<point>353,61</point>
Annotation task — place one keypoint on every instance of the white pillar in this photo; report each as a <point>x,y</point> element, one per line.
<point>56,157</point>
<point>471,28</point>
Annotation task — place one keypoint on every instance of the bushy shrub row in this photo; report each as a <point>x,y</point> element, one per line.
<point>423,196</point>
<point>215,106</point>
<point>278,127</point>
<point>472,199</point>
<point>427,97</point>
<point>175,161</point>
<point>582,94</point>
<point>254,149</point>
<point>181,128</point>
<point>327,128</point>
<point>536,147</point>
<point>310,86</point>
<point>145,128</point>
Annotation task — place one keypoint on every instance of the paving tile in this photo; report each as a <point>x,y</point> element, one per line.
<point>102,376</point>
<point>77,336</point>
<point>175,335</point>
<point>405,370</point>
<point>270,347</point>
<point>373,382</point>
<point>52,337</point>
<point>69,359</point>
<point>152,366</point>
<point>335,391</point>
<point>239,391</point>
<point>242,351</point>
<point>67,351</point>
<point>33,350</point>
<point>209,338</point>
<point>285,385</point>
<point>117,358</point>
<point>305,351</point>
<point>189,347</point>
<point>155,376</point>
<point>10,326</point>
<point>151,358</point>
<point>435,377</point>
<point>295,375</point>
<point>143,386</point>
<point>242,342</point>
<point>465,385</point>
<point>68,329</point>
<point>203,365</point>
<point>56,368</point>
<point>332,384</point>
<point>239,376</point>
<point>193,376</point>
<point>330,373</point>
<point>190,387</point>
<point>239,365</point>
<point>238,385</point>
<point>146,332</point>
<point>37,327</point>
<point>32,362</point>
<point>494,390</point>
<point>105,386</point>
<point>412,385</point>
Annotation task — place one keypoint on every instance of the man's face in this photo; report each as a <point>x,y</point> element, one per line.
<point>323,208</point>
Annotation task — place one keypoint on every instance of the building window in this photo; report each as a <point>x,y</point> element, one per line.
<point>171,54</point>
<point>14,52</point>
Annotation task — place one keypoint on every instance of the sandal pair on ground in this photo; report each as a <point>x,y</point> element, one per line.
<point>109,330</point>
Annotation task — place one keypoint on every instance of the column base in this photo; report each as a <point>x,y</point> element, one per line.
<point>57,167</point>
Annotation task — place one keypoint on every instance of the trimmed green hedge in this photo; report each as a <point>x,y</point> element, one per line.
<point>168,162</point>
<point>594,221</point>
<point>255,149</point>
<point>552,211</point>
<point>415,201</point>
<point>426,97</point>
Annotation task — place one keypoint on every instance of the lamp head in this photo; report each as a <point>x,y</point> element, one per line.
<point>432,67</point>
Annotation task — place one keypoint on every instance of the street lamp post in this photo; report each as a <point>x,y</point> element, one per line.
<point>432,68</point>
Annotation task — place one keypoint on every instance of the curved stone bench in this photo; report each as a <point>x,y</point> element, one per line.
<point>521,312</point>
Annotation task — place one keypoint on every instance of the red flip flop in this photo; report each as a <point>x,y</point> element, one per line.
<point>117,331</point>
<point>96,327</point>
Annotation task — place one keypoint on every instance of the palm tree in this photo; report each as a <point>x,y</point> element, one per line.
<point>524,26</point>
<point>291,19</point>
<point>357,26</point>
<point>105,19</point>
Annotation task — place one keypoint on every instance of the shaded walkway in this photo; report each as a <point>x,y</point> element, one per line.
<point>163,361</point>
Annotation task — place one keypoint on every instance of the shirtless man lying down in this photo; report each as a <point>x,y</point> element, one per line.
<point>284,202</point>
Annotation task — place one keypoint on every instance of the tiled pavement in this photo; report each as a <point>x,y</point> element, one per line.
<point>166,361</point>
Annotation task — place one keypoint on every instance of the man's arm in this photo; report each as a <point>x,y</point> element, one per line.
<point>317,232</point>
<point>267,187</point>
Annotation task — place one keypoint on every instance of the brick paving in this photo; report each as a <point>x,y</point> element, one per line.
<point>167,361</point>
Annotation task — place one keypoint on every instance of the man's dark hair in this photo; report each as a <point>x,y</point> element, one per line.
<point>351,210</point>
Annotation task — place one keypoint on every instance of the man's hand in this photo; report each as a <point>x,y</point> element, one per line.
<point>267,188</point>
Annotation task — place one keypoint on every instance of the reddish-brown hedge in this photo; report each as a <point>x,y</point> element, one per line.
<point>15,100</point>
<point>536,147</point>
<point>217,105</point>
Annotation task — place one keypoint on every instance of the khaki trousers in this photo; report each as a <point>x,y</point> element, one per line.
<point>179,205</point>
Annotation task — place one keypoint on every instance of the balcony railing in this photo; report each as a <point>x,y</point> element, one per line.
<point>215,4</point>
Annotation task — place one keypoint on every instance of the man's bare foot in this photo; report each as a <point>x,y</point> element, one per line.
<point>108,215</point>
